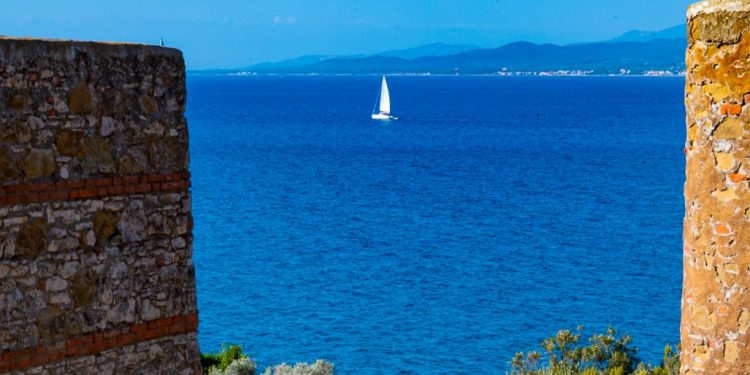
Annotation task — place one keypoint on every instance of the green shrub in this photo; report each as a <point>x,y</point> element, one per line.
<point>602,354</point>
<point>217,363</point>
<point>242,366</point>
<point>320,367</point>
<point>232,360</point>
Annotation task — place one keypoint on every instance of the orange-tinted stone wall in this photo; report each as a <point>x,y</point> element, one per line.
<point>715,325</point>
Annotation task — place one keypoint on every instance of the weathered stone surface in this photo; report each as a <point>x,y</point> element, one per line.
<point>716,294</point>
<point>720,27</point>
<point>87,133</point>
<point>38,163</point>
<point>107,126</point>
<point>54,324</point>
<point>15,132</point>
<point>132,224</point>
<point>171,356</point>
<point>730,128</point>
<point>56,284</point>
<point>133,162</point>
<point>31,238</point>
<point>81,101</point>
<point>8,168</point>
<point>148,104</point>
<point>108,113</point>
<point>98,158</point>
<point>105,226</point>
<point>84,286</point>
<point>70,143</point>
<point>109,287</point>
<point>166,153</point>
<point>17,101</point>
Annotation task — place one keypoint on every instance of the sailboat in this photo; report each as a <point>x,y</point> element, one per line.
<point>383,105</point>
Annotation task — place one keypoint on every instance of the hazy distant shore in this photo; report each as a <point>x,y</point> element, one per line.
<point>519,74</point>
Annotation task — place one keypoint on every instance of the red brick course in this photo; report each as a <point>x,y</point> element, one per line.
<point>92,188</point>
<point>731,109</point>
<point>97,342</point>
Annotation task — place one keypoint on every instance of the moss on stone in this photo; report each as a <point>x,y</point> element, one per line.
<point>105,226</point>
<point>81,101</point>
<point>719,27</point>
<point>84,287</point>
<point>70,143</point>
<point>38,163</point>
<point>32,239</point>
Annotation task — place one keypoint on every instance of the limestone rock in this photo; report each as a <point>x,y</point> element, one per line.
<point>18,131</point>
<point>98,158</point>
<point>720,27</point>
<point>149,312</point>
<point>105,226</point>
<point>31,238</point>
<point>132,224</point>
<point>133,162</point>
<point>148,104</point>
<point>122,312</point>
<point>107,126</point>
<point>70,143</point>
<point>84,286</point>
<point>18,101</point>
<point>56,284</point>
<point>38,163</point>
<point>8,168</point>
<point>81,100</point>
<point>166,153</point>
<point>54,324</point>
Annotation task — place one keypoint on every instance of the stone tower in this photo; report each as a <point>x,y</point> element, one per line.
<point>716,301</point>
<point>96,274</point>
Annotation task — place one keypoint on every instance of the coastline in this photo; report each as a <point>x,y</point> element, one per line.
<point>198,74</point>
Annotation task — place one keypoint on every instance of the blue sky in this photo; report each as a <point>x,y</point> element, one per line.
<point>234,33</point>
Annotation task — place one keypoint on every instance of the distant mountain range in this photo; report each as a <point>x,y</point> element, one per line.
<point>676,32</point>
<point>434,49</point>
<point>635,52</point>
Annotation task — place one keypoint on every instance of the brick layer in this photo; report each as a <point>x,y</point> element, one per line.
<point>92,188</point>
<point>97,342</point>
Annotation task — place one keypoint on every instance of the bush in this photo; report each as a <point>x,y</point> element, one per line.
<point>242,366</point>
<point>320,367</point>
<point>603,354</point>
<point>231,360</point>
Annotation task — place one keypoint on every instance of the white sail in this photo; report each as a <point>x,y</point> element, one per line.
<point>385,98</point>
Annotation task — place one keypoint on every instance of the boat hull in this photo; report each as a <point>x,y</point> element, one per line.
<point>382,117</point>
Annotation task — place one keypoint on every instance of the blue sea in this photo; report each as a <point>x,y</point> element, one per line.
<point>495,212</point>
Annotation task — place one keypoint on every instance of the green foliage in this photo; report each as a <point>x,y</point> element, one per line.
<point>320,367</point>
<point>242,366</point>
<point>232,360</point>
<point>602,354</point>
<point>670,364</point>
<point>222,360</point>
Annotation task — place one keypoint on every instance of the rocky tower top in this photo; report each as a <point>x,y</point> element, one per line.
<point>711,6</point>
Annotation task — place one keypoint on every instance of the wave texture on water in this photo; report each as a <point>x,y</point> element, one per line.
<point>495,212</point>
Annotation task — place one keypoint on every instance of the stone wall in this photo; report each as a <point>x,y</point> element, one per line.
<point>96,272</point>
<point>716,301</point>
